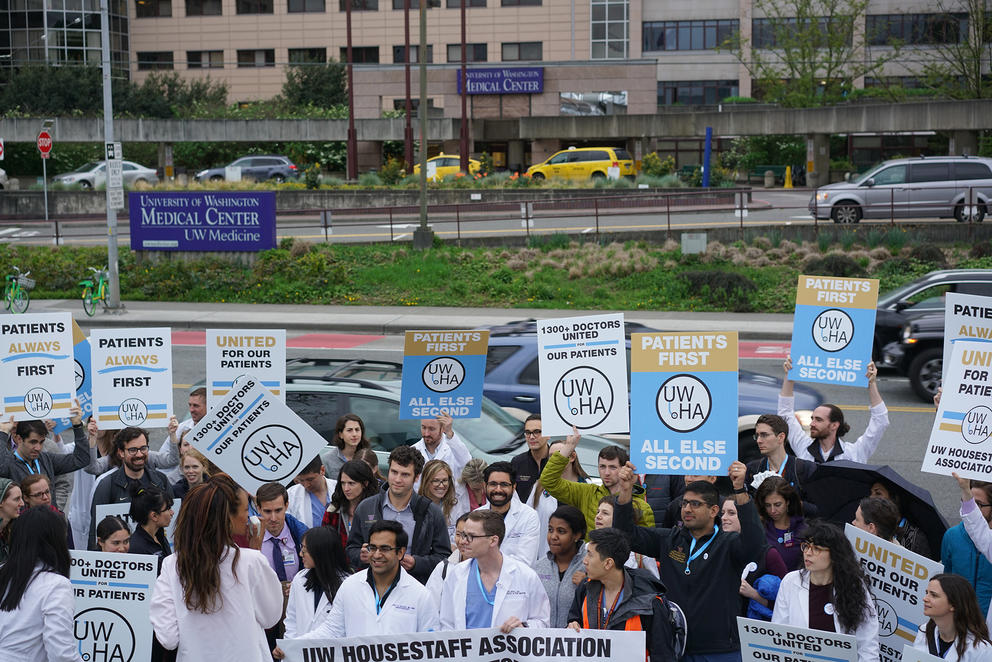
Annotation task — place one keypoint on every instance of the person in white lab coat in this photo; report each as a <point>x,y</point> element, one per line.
<point>523,529</point>
<point>37,605</point>
<point>311,495</point>
<point>491,590</point>
<point>956,630</point>
<point>384,599</point>
<point>213,600</point>
<point>831,593</point>
<point>439,441</point>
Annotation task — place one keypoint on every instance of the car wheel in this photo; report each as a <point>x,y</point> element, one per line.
<point>598,176</point>
<point>846,212</point>
<point>141,180</point>
<point>278,178</point>
<point>925,373</point>
<point>85,185</point>
<point>969,213</point>
<point>216,178</point>
<point>537,175</point>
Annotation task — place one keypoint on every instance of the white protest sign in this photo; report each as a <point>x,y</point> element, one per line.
<point>112,593</point>
<point>910,654</point>
<point>485,645</point>
<point>255,437</point>
<point>232,353</point>
<point>582,363</point>
<point>961,438</point>
<point>774,642</point>
<point>132,377</point>
<point>123,511</point>
<point>898,581</point>
<point>37,371</point>
<point>965,316</point>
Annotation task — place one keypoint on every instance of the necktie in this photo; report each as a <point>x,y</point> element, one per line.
<point>277,559</point>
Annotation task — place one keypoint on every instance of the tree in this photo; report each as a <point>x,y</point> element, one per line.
<point>957,67</point>
<point>321,85</point>
<point>808,52</point>
<point>167,95</point>
<point>38,90</point>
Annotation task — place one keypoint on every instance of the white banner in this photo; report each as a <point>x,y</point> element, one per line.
<point>583,372</point>
<point>232,353</point>
<point>772,642</point>
<point>898,581</point>
<point>255,437</point>
<point>37,371</point>
<point>910,654</point>
<point>521,645</point>
<point>123,511</point>
<point>112,596</point>
<point>132,377</point>
<point>965,316</point>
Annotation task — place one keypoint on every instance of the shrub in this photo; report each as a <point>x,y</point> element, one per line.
<point>311,176</point>
<point>980,250</point>
<point>486,165</point>
<point>392,171</point>
<point>369,179</point>
<point>725,289</point>
<point>833,264</point>
<point>929,254</point>
<point>652,165</point>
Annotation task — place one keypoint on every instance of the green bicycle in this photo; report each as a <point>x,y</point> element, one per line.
<point>16,295</point>
<point>95,289</point>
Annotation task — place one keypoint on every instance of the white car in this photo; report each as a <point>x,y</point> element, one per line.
<point>91,175</point>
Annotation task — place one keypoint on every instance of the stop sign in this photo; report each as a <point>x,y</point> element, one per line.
<point>44,143</point>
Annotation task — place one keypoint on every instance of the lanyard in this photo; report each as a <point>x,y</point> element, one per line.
<point>781,468</point>
<point>482,589</point>
<point>694,555</point>
<point>600,612</point>
<point>37,467</point>
<point>381,601</point>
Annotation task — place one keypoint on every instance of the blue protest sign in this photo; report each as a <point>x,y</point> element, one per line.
<point>443,370</point>
<point>84,383</point>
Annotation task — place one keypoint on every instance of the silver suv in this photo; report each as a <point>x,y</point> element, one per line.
<point>939,186</point>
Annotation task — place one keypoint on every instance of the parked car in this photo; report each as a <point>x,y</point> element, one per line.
<point>923,296</point>
<point>93,174</point>
<point>3,179</point>
<point>943,186</point>
<point>583,163</point>
<point>259,167</point>
<point>446,165</point>
<point>918,354</point>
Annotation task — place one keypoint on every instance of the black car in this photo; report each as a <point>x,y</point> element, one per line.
<point>919,354</point>
<point>259,167</point>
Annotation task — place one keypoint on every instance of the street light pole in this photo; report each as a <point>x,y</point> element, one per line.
<point>463,135</point>
<point>423,236</point>
<point>408,127</point>
<point>352,147</point>
<point>114,295</point>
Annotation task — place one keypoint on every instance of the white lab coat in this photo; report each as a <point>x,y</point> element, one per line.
<point>980,534</point>
<point>519,592</point>
<point>409,608</point>
<point>792,608</point>
<point>523,530</point>
<point>234,633</point>
<point>974,653</point>
<point>301,616</point>
<point>860,450</point>
<point>299,503</point>
<point>40,628</point>
<point>451,449</point>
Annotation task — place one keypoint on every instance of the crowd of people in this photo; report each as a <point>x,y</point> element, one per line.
<point>445,541</point>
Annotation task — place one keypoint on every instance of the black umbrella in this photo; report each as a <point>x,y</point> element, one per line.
<point>837,487</point>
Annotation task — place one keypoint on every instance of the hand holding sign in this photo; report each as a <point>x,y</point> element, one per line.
<point>7,426</point>
<point>626,479</point>
<point>75,412</point>
<point>737,473</point>
<point>965,485</point>
<point>445,420</point>
<point>571,442</point>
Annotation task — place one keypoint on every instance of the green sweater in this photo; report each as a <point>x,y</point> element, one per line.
<point>585,496</point>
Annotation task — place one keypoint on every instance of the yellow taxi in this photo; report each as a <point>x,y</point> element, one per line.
<point>444,165</point>
<point>582,163</point>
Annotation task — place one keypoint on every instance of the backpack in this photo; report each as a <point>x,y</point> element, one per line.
<point>677,624</point>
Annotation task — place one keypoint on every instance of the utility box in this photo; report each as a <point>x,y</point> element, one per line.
<point>693,243</point>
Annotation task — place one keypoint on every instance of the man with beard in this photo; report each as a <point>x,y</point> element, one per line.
<point>522,527</point>
<point>131,450</point>
<point>827,426</point>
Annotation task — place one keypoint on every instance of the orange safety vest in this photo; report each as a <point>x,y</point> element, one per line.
<point>633,624</point>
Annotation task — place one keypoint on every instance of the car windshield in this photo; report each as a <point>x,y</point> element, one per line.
<point>870,172</point>
<point>87,167</point>
<point>897,294</point>
<point>494,431</point>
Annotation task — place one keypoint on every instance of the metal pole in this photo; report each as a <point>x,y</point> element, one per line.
<point>458,221</point>
<point>408,126</point>
<point>463,132</point>
<point>114,295</point>
<point>44,184</point>
<point>352,148</point>
<point>422,115</point>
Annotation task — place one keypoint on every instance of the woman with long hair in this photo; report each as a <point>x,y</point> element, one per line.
<point>956,630</point>
<point>11,504</point>
<point>760,586</point>
<point>113,535</point>
<point>470,490</point>
<point>349,437</point>
<point>356,482</point>
<point>368,456</point>
<point>151,512</point>
<point>37,603</point>
<point>211,586</point>
<point>560,569</point>
<point>781,511</point>
<point>195,469</point>
<point>831,593</point>
<point>437,483</point>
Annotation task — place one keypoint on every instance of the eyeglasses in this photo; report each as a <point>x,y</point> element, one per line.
<point>693,503</point>
<point>532,433</point>
<point>982,505</point>
<point>385,549</point>
<point>137,450</point>
<point>811,548</point>
<point>469,537</point>
<point>762,435</point>
<point>493,485</point>
<point>38,495</point>
<point>439,482</point>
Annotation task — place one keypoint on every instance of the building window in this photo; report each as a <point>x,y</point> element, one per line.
<point>474,53</point>
<point>695,92</point>
<point>366,5</point>
<point>522,50</point>
<point>457,4</point>
<point>917,29</point>
<point>152,60</point>
<point>520,3</point>
<point>254,6</point>
<point>308,56</point>
<point>203,7</point>
<point>415,4</point>
<point>205,59</point>
<point>432,110</point>
<point>153,8</point>
<point>361,54</point>
<point>306,6</point>
<point>398,53</point>
<point>262,57</point>
<point>610,29</point>
<point>688,35</point>
<point>765,32</point>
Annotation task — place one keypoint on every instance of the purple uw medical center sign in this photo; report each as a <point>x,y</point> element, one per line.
<point>203,221</point>
<point>503,80</point>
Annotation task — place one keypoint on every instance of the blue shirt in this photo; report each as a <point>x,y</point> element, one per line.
<point>961,557</point>
<point>287,551</point>
<point>404,517</point>
<point>317,508</point>
<point>478,601</point>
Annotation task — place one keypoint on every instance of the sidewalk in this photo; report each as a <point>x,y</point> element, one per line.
<point>392,320</point>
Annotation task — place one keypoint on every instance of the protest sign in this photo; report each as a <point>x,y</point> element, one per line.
<point>36,368</point>
<point>961,438</point>
<point>255,437</point>
<point>583,373</point>
<point>898,581</point>
<point>910,654</point>
<point>965,316</point>
<point>833,330</point>
<point>123,511</point>
<point>112,594</point>
<point>677,380</point>
<point>484,645</point>
<point>132,377</point>
<point>84,381</point>
<point>774,642</point>
<point>443,370</point>
<point>233,353</point>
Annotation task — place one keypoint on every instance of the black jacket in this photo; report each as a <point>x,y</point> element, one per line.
<point>709,596</point>
<point>796,471</point>
<point>50,464</point>
<point>142,543</point>
<point>115,489</point>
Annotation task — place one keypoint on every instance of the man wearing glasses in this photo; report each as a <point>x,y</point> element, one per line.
<point>530,463</point>
<point>771,433</point>
<point>522,527</point>
<point>131,455</point>
<point>382,600</point>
